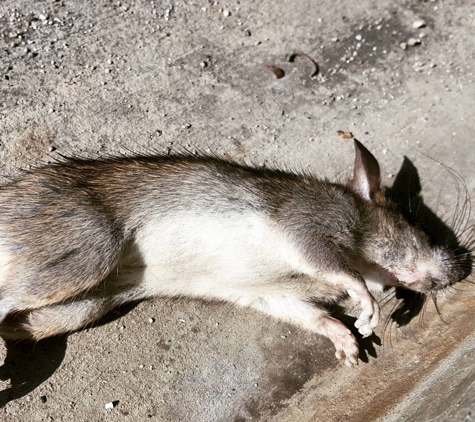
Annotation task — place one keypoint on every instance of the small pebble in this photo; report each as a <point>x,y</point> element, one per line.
<point>111,404</point>
<point>276,70</point>
<point>247,33</point>
<point>419,23</point>
<point>151,320</point>
<point>51,149</point>
<point>226,13</point>
<point>43,399</point>
<point>403,45</point>
<point>51,110</point>
<point>359,37</point>
<point>413,41</point>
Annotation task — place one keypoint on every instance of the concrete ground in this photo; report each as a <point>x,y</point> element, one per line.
<point>110,77</point>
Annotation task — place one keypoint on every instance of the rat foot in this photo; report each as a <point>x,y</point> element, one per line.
<point>344,342</point>
<point>369,317</point>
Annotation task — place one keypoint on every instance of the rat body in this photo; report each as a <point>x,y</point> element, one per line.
<point>80,237</point>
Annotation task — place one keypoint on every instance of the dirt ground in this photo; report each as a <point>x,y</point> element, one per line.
<point>109,77</point>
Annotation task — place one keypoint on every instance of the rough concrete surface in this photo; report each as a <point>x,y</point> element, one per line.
<point>108,77</point>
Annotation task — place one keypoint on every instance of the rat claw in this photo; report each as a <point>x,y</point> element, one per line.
<point>349,352</point>
<point>364,327</point>
<point>340,354</point>
<point>351,361</point>
<point>375,318</point>
<point>365,330</point>
<point>369,318</point>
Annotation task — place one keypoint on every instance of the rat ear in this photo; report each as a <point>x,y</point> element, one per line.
<point>366,175</point>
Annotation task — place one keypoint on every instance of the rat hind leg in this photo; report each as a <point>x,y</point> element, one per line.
<point>40,266</point>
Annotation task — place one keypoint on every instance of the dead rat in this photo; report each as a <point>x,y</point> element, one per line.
<point>80,237</point>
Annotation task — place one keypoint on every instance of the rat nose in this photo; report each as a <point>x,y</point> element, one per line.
<point>436,284</point>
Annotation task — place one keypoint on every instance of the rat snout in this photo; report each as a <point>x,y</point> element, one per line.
<point>435,271</point>
<point>453,267</point>
<point>423,282</point>
<point>438,271</point>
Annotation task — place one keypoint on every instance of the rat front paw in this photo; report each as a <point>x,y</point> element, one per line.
<point>347,347</point>
<point>369,317</point>
<point>344,341</point>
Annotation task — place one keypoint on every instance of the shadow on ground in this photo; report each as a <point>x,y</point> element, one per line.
<point>28,363</point>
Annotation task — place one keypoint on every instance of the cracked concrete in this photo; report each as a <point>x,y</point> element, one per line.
<point>112,77</point>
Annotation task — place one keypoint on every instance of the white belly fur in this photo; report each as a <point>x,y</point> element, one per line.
<point>211,256</point>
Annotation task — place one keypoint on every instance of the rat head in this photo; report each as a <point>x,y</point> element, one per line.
<point>393,243</point>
